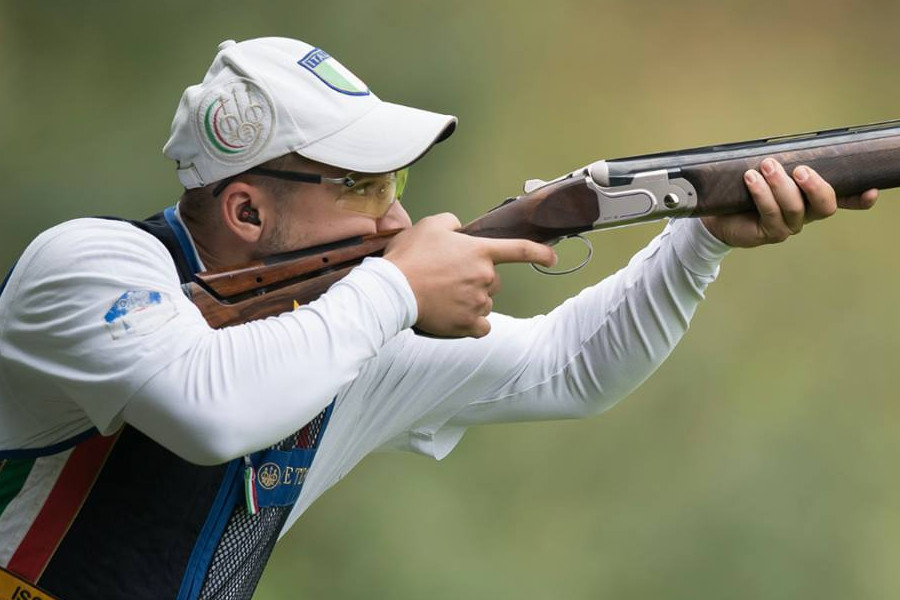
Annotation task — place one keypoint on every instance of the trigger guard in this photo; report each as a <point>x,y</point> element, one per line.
<point>587,259</point>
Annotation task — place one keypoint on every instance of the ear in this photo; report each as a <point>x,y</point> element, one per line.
<point>243,210</point>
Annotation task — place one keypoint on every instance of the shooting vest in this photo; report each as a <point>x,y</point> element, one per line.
<point>121,517</point>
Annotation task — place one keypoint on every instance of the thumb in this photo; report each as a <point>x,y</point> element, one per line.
<point>864,201</point>
<point>443,221</point>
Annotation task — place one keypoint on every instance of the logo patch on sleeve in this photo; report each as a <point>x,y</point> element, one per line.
<point>333,74</point>
<point>139,312</point>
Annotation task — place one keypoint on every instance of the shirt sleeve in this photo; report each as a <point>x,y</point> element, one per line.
<point>578,360</point>
<point>96,325</point>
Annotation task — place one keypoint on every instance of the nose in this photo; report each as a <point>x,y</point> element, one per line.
<point>395,218</point>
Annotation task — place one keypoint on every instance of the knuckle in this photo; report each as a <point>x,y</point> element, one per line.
<point>464,323</point>
<point>776,182</point>
<point>776,235</point>
<point>823,205</point>
<point>781,235</point>
<point>769,213</point>
<point>485,274</point>
<point>526,251</point>
<point>828,209</point>
<point>522,254</point>
<point>794,219</point>
<point>820,189</point>
<point>495,286</point>
<point>793,211</point>
<point>481,328</point>
<point>484,300</point>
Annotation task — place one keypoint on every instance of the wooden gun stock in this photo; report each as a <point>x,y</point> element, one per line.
<point>273,285</point>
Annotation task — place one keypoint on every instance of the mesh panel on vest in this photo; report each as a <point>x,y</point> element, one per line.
<point>244,548</point>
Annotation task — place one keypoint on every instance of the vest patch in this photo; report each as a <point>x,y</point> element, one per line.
<point>280,475</point>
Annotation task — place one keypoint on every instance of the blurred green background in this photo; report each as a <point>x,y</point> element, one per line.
<point>759,462</point>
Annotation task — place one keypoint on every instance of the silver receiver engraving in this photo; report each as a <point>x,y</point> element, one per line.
<point>649,197</point>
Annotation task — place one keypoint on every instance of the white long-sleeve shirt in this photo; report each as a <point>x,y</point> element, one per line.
<point>95,331</point>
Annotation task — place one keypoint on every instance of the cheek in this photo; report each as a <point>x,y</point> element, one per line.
<point>316,227</point>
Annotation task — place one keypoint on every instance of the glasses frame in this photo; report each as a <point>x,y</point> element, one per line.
<point>299,176</point>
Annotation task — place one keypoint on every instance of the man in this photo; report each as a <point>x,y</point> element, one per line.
<point>146,455</point>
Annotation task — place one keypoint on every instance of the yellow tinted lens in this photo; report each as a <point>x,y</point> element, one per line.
<point>370,195</point>
<point>402,177</point>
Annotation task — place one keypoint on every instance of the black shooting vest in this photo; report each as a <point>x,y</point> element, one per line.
<point>154,526</point>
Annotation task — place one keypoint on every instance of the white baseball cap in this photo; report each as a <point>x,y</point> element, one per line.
<point>267,97</point>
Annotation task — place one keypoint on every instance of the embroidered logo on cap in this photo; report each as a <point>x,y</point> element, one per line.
<point>139,312</point>
<point>333,74</point>
<point>235,120</point>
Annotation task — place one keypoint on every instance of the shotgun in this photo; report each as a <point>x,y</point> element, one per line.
<point>604,194</point>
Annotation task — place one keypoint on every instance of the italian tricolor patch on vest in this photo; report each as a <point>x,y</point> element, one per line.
<point>39,499</point>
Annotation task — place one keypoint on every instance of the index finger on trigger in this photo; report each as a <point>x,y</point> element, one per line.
<point>520,251</point>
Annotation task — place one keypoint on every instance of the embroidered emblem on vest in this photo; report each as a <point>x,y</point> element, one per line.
<point>269,476</point>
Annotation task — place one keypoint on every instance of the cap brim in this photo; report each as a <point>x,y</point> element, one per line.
<point>387,138</point>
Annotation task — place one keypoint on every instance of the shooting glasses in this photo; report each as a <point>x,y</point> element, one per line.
<point>370,195</point>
